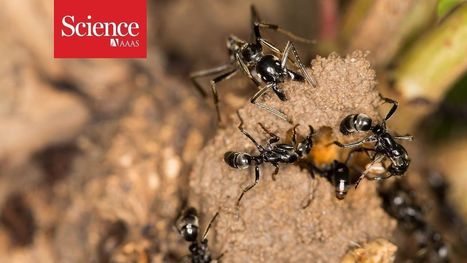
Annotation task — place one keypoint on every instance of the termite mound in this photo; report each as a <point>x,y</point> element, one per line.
<point>270,224</point>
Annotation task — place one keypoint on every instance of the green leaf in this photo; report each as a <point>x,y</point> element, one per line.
<point>445,6</point>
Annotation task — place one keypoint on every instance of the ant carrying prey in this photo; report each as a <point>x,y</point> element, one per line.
<point>187,225</point>
<point>273,152</point>
<point>386,146</point>
<point>261,68</point>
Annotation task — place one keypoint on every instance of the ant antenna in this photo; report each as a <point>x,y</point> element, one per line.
<point>209,226</point>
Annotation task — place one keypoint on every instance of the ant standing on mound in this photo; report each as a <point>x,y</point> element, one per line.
<point>187,225</point>
<point>259,67</point>
<point>273,152</point>
<point>385,143</point>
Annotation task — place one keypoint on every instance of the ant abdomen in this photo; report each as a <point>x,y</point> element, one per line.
<point>187,225</point>
<point>237,160</point>
<point>341,179</point>
<point>355,123</point>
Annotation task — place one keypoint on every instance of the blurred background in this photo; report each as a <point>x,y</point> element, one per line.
<point>95,154</point>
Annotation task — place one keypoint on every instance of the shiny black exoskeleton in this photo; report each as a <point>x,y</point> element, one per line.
<point>399,203</point>
<point>386,145</point>
<point>273,153</point>
<point>355,123</point>
<point>187,225</point>
<point>339,175</point>
<point>265,70</point>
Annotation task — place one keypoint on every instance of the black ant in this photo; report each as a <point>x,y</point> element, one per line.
<point>273,152</point>
<point>249,58</point>
<point>386,145</point>
<point>399,203</point>
<point>338,174</point>
<point>439,188</point>
<point>187,225</point>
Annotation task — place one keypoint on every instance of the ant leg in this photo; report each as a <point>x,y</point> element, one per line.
<point>225,76</point>
<point>378,178</point>
<point>260,93</point>
<point>246,70</point>
<point>209,226</point>
<point>294,135</point>
<point>248,188</point>
<point>290,46</point>
<point>265,107</point>
<point>393,109</point>
<point>366,150</point>
<point>274,49</point>
<point>273,111</point>
<point>258,25</point>
<point>254,14</point>
<point>276,171</point>
<point>312,195</point>
<point>204,73</point>
<point>364,174</point>
<point>404,137</point>
<point>270,46</point>
<point>240,127</point>
<point>354,144</point>
<point>219,257</point>
<point>274,138</point>
<point>312,130</point>
<point>254,18</point>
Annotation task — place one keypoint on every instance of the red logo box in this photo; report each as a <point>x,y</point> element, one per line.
<point>100,29</point>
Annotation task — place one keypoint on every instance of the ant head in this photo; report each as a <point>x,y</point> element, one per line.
<point>187,224</point>
<point>304,147</point>
<point>362,122</point>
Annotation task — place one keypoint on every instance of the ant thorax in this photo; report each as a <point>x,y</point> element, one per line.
<point>251,53</point>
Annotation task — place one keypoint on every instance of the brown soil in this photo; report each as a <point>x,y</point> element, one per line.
<point>271,225</point>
